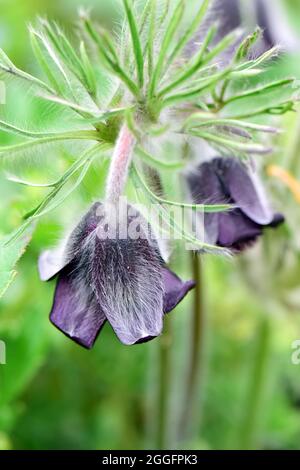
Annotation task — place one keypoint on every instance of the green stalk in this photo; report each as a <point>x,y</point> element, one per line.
<point>192,393</point>
<point>256,389</point>
<point>164,387</point>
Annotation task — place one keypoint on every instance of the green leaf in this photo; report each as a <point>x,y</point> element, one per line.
<point>277,110</point>
<point>156,163</point>
<point>51,201</point>
<point>199,120</point>
<point>207,208</point>
<point>109,55</point>
<point>227,143</point>
<point>51,138</point>
<point>10,255</point>
<point>8,67</point>
<point>192,93</point>
<point>135,37</point>
<point>44,63</point>
<point>89,71</point>
<point>190,31</point>
<point>269,54</point>
<point>168,37</point>
<point>260,90</point>
<point>83,164</point>
<point>151,35</point>
<point>247,43</point>
<point>192,67</point>
<point>53,57</point>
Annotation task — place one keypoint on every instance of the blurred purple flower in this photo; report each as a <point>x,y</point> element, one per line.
<point>122,281</point>
<point>269,15</point>
<point>227,180</point>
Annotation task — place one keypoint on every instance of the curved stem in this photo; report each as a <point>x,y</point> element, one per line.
<point>120,164</point>
<point>192,392</point>
<point>164,387</point>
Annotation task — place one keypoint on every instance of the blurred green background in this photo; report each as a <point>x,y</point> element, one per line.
<point>56,395</point>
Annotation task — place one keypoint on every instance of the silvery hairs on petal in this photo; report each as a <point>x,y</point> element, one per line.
<point>125,275</point>
<point>52,261</point>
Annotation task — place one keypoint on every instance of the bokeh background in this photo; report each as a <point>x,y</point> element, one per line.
<point>56,395</point>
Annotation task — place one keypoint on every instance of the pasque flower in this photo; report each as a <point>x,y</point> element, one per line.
<point>228,180</point>
<point>156,98</point>
<point>120,280</point>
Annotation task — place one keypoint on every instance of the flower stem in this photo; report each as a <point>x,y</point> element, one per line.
<point>120,164</point>
<point>192,392</point>
<point>164,387</point>
<point>256,389</point>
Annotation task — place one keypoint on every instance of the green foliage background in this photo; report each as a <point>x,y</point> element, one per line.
<point>55,395</point>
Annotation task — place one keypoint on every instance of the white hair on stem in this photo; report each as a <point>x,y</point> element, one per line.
<point>120,163</point>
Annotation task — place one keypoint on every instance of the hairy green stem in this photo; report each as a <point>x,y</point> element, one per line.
<point>120,163</point>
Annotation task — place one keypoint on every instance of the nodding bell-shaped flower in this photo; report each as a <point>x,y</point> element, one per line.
<point>227,180</point>
<point>111,271</point>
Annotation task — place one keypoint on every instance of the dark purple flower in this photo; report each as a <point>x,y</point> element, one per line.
<point>270,16</point>
<point>120,280</point>
<point>227,180</point>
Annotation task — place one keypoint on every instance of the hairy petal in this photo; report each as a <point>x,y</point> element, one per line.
<point>128,285</point>
<point>51,262</point>
<point>205,188</point>
<point>244,189</point>
<point>124,271</point>
<point>85,227</point>
<point>236,229</point>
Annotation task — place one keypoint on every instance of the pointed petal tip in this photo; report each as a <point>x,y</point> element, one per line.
<point>50,263</point>
<point>175,289</point>
<point>86,343</point>
<point>139,336</point>
<point>278,220</point>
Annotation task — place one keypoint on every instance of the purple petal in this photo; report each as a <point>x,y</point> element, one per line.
<point>277,221</point>
<point>51,262</point>
<point>75,310</point>
<point>273,20</point>
<point>237,229</point>
<point>205,188</point>
<point>175,289</point>
<point>227,15</point>
<point>127,281</point>
<point>244,189</point>
<point>86,226</point>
